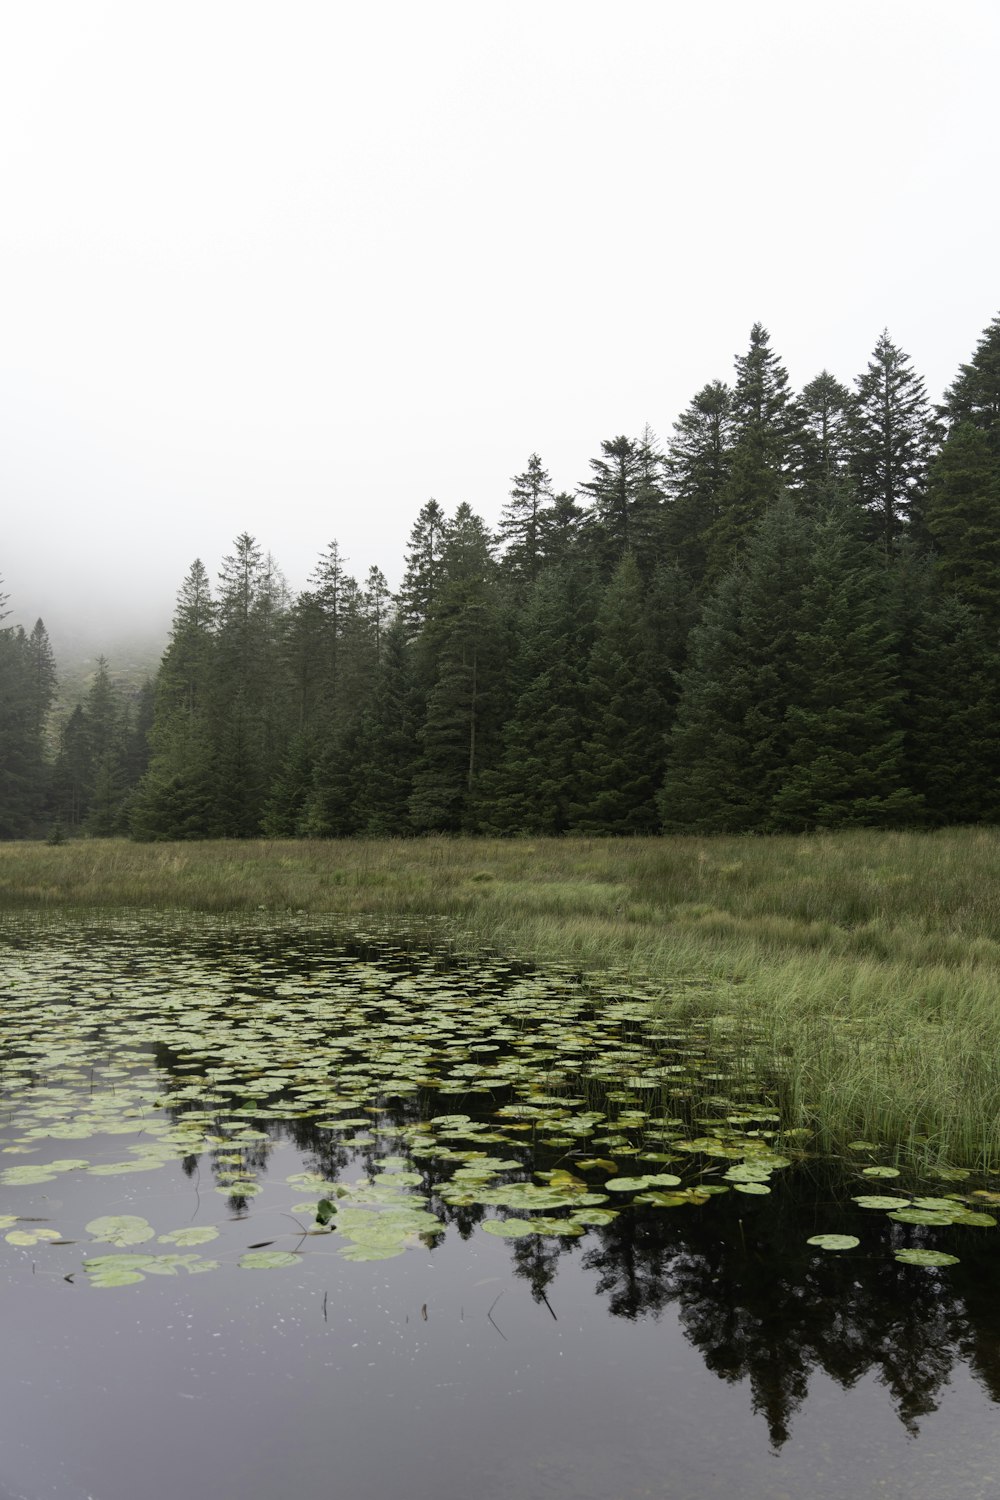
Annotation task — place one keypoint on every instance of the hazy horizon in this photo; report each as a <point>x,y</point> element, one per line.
<point>295,272</point>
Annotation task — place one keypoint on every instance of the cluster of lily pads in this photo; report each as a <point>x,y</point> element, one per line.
<point>514,1094</point>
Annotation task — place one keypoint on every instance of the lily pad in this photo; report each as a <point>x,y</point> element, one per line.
<point>509,1229</point>
<point>834,1241</point>
<point>925,1258</point>
<point>121,1229</point>
<point>266,1260</point>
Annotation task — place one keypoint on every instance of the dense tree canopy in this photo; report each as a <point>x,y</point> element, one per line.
<point>787,619</point>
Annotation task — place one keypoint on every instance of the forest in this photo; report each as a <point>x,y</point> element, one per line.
<point>786,618</point>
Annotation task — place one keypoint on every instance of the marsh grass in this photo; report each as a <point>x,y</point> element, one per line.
<point>862,969</point>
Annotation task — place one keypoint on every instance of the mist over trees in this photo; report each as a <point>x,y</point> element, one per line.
<point>785,618</point>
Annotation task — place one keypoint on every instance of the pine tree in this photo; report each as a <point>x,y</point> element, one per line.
<point>523,520</point>
<point>175,797</point>
<point>536,781</point>
<point>424,566</point>
<point>620,765</point>
<point>892,437</point>
<point>729,747</point>
<point>107,732</point>
<point>627,494</point>
<point>388,745</point>
<point>697,468</point>
<point>766,455</point>
<point>846,764</point>
<point>963,517</point>
<point>974,395</point>
<point>461,646</point>
<point>826,410</point>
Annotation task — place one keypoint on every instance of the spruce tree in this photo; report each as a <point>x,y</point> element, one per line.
<point>388,744</point>
<point>963,517</point>
<point>845,756</point>
<point>424,566</point>
<point>536,782</point>
<point>729,747</point>
<point>620,765</point>
<point>974,395</point>
<point>523,520</point>
<point>462,648</point>
<point>766,454</point>
<point>697,467</point>
<point>892,438</point>
<point>826,451</point>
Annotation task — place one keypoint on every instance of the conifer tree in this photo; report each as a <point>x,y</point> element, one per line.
<point>974,395</point>
<point>523,520</point>
<point>626,490</point>
<point>766,454</point>
<point>729,747</point>
<point>424,566</point>
<point>963,516</point>
<point>536,782</point>
<point>697,468</point>
<point>845,761</point>
<point>892,437</point>
<point>388,743</point>
<point>620,765</point>
<point>826,409</point>
<point>462,649</point>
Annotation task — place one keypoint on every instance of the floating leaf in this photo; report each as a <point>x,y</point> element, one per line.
<point>872,1201</point>
<point>121,1229</point>
<point>834,1241</point>
<point>925,1258</point>
<point>266,1260</point>
<point>193,1235</point>
<point>880,1171</point>
<point>509,1229</point>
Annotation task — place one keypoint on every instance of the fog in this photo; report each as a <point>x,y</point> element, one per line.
<point>295,269</point>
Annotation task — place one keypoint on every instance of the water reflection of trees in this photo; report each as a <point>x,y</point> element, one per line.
<point>759,1304</point>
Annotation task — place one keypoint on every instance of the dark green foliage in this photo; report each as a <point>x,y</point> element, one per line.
<point>826,449</point>
<point>845,763</point>
<point>892,437</point>
<point>963,516</point>
<point>524,521</point>
<point>536,782</point>
<point>463,657</point>
<point>766,453</point>
<point>626,491</point>
<point>697,468</point>
<point>620,766</point>
<point>975,394</point>
<point>27,690</point>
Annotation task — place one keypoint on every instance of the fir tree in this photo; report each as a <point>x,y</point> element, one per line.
<point>697,468</point>
<point>536,782</point>
<point>826,410</point>
<point>424,566</point>
<point>845,758</point>
<point>766,454</point>
<point>963,517</point>
<point>523,520</point>
<point>892,437</point>
<point>620,765</point>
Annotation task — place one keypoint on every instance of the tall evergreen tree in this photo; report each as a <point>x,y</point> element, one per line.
<point>766,457</point>
<point>697,468</point>
<point>963,516</point>
<point>826,409</point>
<point>626,490</point>
<point>620,765</point>
<point>523,520</point>
<point>974,395</point>
<point>424,566</point>
<point>892,437</point>
<point>845,761</point>
<point>536,782</point>
<point>729,747</point>
<point>462,648</point>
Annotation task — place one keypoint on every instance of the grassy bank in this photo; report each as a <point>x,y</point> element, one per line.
<point>866,966</point>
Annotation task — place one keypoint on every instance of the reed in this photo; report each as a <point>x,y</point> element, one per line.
<point>863,968</point>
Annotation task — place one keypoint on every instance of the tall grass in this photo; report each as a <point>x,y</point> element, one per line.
<point>863,968</point>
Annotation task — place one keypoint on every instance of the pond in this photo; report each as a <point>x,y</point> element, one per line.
<point>286,1209</point>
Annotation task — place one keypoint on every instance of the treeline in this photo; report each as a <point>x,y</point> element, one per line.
<point>788,619</point>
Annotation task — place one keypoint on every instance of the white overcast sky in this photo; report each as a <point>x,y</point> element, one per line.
<point>293,268</point>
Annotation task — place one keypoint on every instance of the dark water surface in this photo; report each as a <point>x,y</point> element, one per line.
<point>697,1349</point>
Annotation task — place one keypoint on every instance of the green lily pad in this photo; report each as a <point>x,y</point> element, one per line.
<point>920,1216</point>
<point>121,1229</point>
<point>509,1229</point>
<point>925,1258</point>
<point>266,1260</point>
<point>871,1201</point>
<point>880,1171</point>
<point>834,1241</point>
<point>194,1235</point>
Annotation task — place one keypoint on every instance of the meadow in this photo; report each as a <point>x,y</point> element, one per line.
<point>861,970</point>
